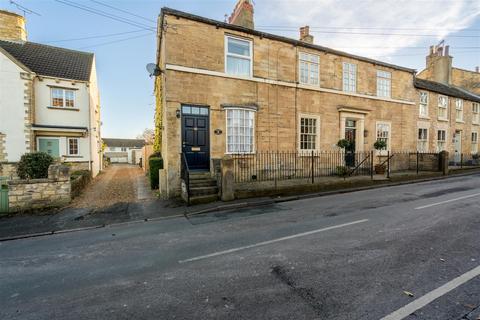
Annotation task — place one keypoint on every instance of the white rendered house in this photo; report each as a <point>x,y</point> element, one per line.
<point>49,102</point>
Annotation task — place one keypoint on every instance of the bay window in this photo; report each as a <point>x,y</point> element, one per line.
<point>238,56</point>
<point>240,130</point>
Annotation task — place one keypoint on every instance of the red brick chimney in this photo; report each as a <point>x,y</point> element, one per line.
<point>305,35</point>
<point>242,15</point>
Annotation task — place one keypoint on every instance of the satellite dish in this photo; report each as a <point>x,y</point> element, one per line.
<point>153,69</point>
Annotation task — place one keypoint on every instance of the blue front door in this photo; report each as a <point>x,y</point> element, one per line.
<point>50,146</point>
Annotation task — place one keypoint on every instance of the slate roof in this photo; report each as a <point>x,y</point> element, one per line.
<point>51,61</point>
<point>127,143</point>
<point>447,90</point>
<point>299,43</point>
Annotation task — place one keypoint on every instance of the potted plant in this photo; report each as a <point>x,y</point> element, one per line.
<point>343,143</point>
<point>380,145</point>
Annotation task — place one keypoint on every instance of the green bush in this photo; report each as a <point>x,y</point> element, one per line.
<point>343,143</point>
<point>380,145</point>
<point>342,171</point>
<point>156,154</point>
<point>34,165</point>
<point>156,163</point>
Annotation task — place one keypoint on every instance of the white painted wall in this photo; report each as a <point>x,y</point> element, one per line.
<point>57,117</point>
<point>94,122</point>
<point>12,109</point>
<point>83,148</point>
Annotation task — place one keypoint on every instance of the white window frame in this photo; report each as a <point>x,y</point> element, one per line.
<point>474,143</point>
<point>423,141</point>
<point>253,131</point>
<point>385,76</point>
<point>317,132</point>
<point>68,147</point>
<point>444,142</point>
<point>309,66</point>
<point>389,138</point>
<point>458,110</point>
<point>423,105</point>
<point>347,70</point>
<point>440,106</point>
<point>250,57</point>
<point>475,113</point>
<point>63,97</point>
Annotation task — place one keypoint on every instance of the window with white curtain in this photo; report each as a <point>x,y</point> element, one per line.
<point>423,111</point>
<point>442,107</point>
<point>309,68</point>
<point>475,113</point>
<point>474,148</point>
<point>441,140</point>
<point>238,56</point>
<point>384,84</point>
<point>349,77</point>
<point>240,130</point>
<point>422,143</point>
<point>459,110</point>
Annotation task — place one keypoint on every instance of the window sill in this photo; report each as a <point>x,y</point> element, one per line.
<point>443,119</point>
<point>72,156</point>
<point>425,118</point>
<point>459,121</point>
<point>476,123</point>
<point>64,108</point>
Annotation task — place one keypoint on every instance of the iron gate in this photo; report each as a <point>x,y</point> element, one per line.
<point>3,195</point>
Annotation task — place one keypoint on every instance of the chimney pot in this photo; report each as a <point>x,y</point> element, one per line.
<point>447,49</point>
<point>477,69</point>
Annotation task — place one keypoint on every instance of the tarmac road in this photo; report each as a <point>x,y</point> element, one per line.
<point>405,252</point>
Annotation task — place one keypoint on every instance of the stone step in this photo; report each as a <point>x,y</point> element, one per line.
<point>200,175</point>
<point>203,183</point>
<point>203,199</point>
<point>201,191</point>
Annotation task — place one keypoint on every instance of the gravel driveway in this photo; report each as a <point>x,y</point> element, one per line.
<point>117,183</point>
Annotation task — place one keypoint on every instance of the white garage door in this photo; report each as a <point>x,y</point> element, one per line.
<point>119,160</point>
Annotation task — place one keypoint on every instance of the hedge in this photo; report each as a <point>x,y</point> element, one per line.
<point>34,165</point>
<point>156,163</point>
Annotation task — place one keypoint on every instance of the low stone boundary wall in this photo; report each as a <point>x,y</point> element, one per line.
<point>79,181</point>
<point>8,169</point>
<point>25,195</point>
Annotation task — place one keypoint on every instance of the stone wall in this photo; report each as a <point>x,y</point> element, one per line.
<point>8,169</point>
<point>26,195</point>
<point>469,80</point>
<point>3,150</point>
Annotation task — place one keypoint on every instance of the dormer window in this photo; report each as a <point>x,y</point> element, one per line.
<point>63,98</point>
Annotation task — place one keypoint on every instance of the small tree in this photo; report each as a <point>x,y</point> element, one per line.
<point>380,145</point>
<point>34,165</point>
<point>343,143</point>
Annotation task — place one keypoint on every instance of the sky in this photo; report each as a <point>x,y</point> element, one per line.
<point>394,31</point>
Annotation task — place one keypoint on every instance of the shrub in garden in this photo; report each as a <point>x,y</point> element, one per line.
<point>156,163</point>
<point>34,165</point>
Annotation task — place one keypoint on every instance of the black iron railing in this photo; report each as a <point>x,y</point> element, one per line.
<point>185,176</point>
<point>285,165</point>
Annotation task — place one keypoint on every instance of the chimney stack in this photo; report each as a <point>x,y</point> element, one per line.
<point>242,15</point>
<point>12,26</point>
<point>439,62</point>
<point>305,35</point>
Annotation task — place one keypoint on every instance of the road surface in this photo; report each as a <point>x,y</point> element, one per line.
<point>405,252</point>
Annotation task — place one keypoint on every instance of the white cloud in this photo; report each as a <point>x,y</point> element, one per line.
<point>424,17</point>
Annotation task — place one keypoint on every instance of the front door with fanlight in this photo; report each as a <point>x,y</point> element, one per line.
<point>350,135</point>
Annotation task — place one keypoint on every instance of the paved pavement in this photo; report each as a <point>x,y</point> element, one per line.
<point>407,252</point>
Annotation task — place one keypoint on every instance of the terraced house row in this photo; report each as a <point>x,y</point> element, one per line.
<point>226,88</point>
